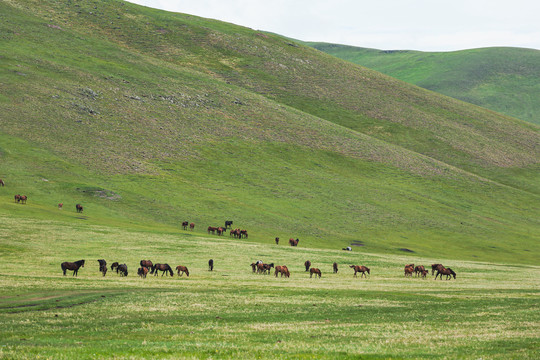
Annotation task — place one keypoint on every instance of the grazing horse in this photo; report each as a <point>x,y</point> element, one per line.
<point>23,199</point>
<point>228,224</point>
<point>161,267</point>
<point>79,208</point>
<point>446,271</point>
<point>435,267</point>
<point>278,270</point>
<point>185,225</point>
<point>293,242</point>
<point>285,271</point>
<point>424,273</point>
<point>114,265</point>
<point>122,269</point>
<point>212,229</point>
<point>211,265</point>
<point>102,266</point>
<point>17,198</point>
<point>335,267</point>
<point>264,268</point>
<point>182,269</point>
<point>146,263</point>
<point>60,205</point>
<point>142,272</point>
<point>314,271</point>
<point>418,270</point>
<point>360,268</point>
<point>2,183</point>
<point>243,233</point>
<point>408,271</point>
<point>307,264</point>
<point>74,266</point>
<point>191,226</point>
<point>277,241</point>
<point>221,230</point>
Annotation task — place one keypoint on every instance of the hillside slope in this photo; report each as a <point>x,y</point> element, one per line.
<point>150,118</point>
<point>506,80</point>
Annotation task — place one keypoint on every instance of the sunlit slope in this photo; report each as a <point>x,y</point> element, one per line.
<point>506,80</point>
<point>150,118</point>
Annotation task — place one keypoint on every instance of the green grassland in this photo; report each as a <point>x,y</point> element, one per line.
<point>150,118</point>
<point>501,79</point>
<point>489,311</point>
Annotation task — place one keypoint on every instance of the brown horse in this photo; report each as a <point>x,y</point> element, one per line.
<point>446,271</point>
<point>408,271</point>
<point>254,267</point>
<point>212,229</point>
<point>221,230</point>
<point>17,198</point>
<point>142,272</point>
<point>243,234</point>
<point>122,269</point>
<point>103,266</point>
<point>60,205</point>
<point>424,273</point>
<point>435,267</point>
<point>185,225</point>
<point>278,270</point>
<point>335,268</point>
<point>79,208</point>
<point>23,199</point>
<point>191,226</point>
<point>307,264</point>
<point>314,271</point>
<point>73,266</point>
<point>285,271</point>
<point>293,242</point>
<point>115,265</point>
<point>418,270</point>
<point>2,183</point>
<point>277,241</point>
<point>182,269</point>
<point>146,263</point>
<point>264,268</point>
<point>161,267</point>
<point>360,268</point>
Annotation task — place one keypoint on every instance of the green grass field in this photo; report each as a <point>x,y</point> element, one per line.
<point>489,311</point>
<point>501,79</point>
<point>149,118</point>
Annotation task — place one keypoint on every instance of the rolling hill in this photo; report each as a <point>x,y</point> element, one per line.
<point>505,80</point>
<point>149,118</point>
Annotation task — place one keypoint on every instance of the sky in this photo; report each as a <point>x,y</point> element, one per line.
<point>426,25</point>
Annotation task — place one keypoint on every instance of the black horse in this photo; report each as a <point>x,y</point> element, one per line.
<point>211,265</point>
<point>307,264</point>
<point>115,265</point>
<point>102,266</point>
<point>74,266</point>
<point>123,270</point>
<point>228,224</point>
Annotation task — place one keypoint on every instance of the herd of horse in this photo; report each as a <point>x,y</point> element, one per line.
<point>257,267</point>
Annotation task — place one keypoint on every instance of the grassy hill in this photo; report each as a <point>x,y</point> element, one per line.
<point>150,118</point>
<point>505,80</point>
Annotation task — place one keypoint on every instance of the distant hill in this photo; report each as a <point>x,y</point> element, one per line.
<point>506,80</point>
<point>149,118</point>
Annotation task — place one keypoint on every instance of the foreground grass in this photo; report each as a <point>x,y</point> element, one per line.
<point>490,311</point>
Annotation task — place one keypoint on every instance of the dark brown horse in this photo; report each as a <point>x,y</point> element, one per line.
<point>73,266</point>
<point>314,271</point>
<point>307,264</point>
<point>23,199</point>
<point>79,208</point>
<point>285,271</point>
<point>408,270</point>
<point>17,198</point>
<point>435,267</point>
<point>161,267</point>
<point>123,270</point>
<point>185,225</point>
<point>360,268</point>
<point>277,241</point>
<point>182,269</point>
<point>418,270</point>
<point>264,268</point>
<point>424,273</point>
<point>115,265</point>
<point>191,226</point>
<point>2,183</point>
<point>142,272</point>
<point>102,266</point>
<point>293,242</point>
<point>60,206</point>
<point>446,271</point>
<point>243,234</point>
<point>334,266</point>
<point>212,229</point>
<point>146,263</point>
<point>253,267</point>
<point>221,230</point>
<point>211,265</point>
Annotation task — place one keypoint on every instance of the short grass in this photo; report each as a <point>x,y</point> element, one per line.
<point>501,79</point>
<point>489,311</point>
